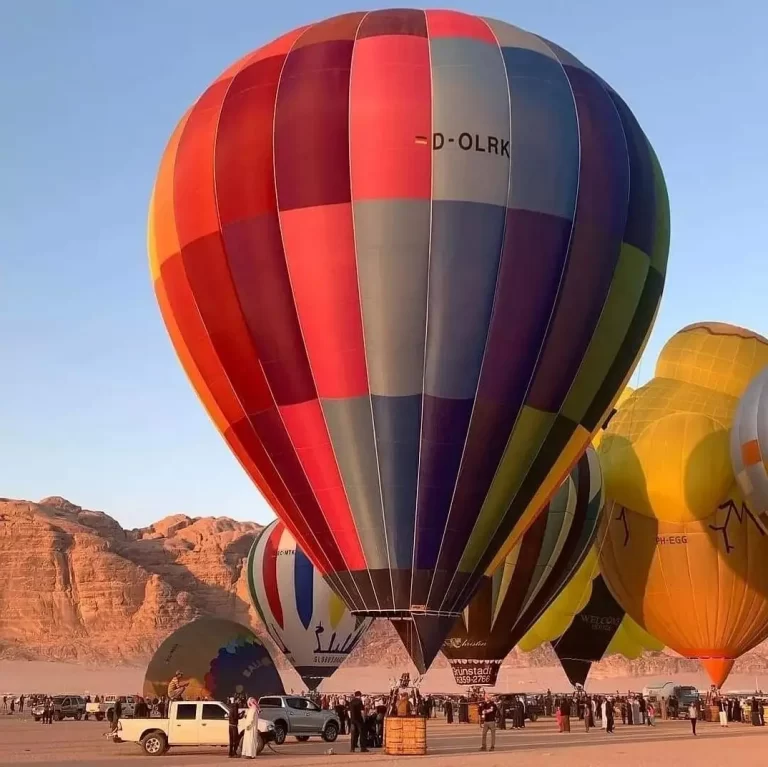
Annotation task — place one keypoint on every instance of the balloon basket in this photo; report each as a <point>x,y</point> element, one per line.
<point>473,713</point>
<point>712,714</point>
<point>405,735</point>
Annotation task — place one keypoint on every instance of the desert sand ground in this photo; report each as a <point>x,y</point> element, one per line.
<point>39,676</point>
<point>81,744</point>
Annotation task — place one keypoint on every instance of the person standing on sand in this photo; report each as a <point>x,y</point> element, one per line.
<point>234,732</point>
<point>250,748</point>
<point>357,720</point>
<point>488,711</point>
<point>693,715</point>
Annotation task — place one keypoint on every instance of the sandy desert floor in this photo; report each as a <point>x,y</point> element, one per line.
<point>70,743</point>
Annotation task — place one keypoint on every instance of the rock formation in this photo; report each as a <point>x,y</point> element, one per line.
<point>76,586</point>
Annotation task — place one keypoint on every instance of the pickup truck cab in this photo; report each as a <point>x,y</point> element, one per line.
<point>189,723</point>
<point>300,717</point>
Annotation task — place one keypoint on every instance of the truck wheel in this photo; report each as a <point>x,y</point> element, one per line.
<point>60,716</point>
<point>154,743</point>
<point>78,716</point>
<point>330,732</point>
<point>259,744</point>
<point>280,733</point>
<point>99,716</point>
<point>302,738</point>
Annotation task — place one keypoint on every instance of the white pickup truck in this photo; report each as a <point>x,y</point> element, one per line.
<point>189,723</point>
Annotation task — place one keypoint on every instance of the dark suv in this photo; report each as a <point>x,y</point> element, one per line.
<point>64,706</point>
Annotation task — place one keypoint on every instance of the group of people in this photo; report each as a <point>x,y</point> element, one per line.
<point>9,703</point>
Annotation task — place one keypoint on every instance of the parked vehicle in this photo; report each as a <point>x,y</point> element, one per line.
<point>189,723</point>
<point>300,717</point>
<point>64,706</point>
<point>106,708</point>
<point>685,695</point>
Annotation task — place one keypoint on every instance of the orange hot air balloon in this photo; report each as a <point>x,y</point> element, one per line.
<point>684,554</point>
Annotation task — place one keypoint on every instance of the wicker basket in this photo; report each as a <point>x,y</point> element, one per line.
<point>473,713</point>
<point>405,735</point>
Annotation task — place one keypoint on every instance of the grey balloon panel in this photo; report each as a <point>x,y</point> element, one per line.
<point>466,248</point>
<point>392,241</point>
<point>468,78</point>
<point>565,57</point>
<point>350,425</point>
<point>510,36</point>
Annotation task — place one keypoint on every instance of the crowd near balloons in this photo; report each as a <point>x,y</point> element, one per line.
<point>414,324</point>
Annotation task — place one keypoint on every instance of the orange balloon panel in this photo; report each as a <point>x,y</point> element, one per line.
<point>701,587</point>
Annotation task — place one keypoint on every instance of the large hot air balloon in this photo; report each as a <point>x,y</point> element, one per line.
<point>408,260</point>
<point>749,445</point>
<point>684,554</point>
<point>304,617</point>
<point>532,575</point>
<point>219,658</point>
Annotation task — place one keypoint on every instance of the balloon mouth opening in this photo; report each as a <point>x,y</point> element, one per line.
<point>405,614</point>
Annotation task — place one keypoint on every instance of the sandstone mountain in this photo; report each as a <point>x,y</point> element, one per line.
<point>76,586</point>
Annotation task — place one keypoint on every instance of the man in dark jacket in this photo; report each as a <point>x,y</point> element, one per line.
<point>234,733</point>
<point>357,723</point>
<point>117,712</point>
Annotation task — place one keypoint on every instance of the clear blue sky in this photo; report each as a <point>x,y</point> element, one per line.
<point>93,404</point>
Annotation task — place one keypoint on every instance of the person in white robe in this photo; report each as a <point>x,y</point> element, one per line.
<point>604,714</point>
<point>251,732</point>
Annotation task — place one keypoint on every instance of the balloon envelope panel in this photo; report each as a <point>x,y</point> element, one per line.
<point>548,555</point>
<point>306,619</point>
<point>349,231</point>
<point>219,658</point>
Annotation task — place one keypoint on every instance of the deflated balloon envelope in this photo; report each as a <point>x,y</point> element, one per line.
<point>350,230</point>
<point>219,658</point>
<point>304,617</point>
<point>533,574</point>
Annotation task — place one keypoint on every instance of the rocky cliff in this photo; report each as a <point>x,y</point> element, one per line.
<point>76,586</point>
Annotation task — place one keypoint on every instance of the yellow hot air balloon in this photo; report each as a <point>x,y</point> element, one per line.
<point>683,553</point>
